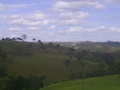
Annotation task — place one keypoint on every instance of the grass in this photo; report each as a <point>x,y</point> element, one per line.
<point>98,83</point>
<point>42,64</point>
<point>49,65</point>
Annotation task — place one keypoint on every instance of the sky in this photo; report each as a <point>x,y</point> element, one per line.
<point>61,20</point>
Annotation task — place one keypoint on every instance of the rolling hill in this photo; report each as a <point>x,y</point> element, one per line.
<point>48,61</point>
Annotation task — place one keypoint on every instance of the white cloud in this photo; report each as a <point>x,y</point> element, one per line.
<point>34,35</point>
<point>2,7</point>
<point>13,35</point>
<point>76,5</point>
<point>70,22</point>
<point>37,16</point>
<point>52,27</point>
<point>114,29</point>
<point>78,30</point>
<point>103,29</point>
<point>7,17</point>
<point>76,0</point>
<point>75,30</point>
<point>95,5</point>
<point>7,6</point>
<point>73,18</point>
<point>33,28</point>
<point>19,5</point>
<point>77,15</point>
<point>29,22</point>
<point>36,19</point>
<point>14,29</point>
<point>1,35</point>
<point>57,32</point>
<point>113,1</point>
<point>14,16</point>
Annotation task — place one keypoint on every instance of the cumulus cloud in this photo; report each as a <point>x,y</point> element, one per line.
<point>52,27</point>
<point>37,16</point>
<point>73,18</point>
<point>114,29</point>
<point>13,35</point>
<point>1,35</point>
<point>77,15</point>
<point>19,5</point>
<point>113,1</point>
<point>34,35</point>
<point>2,7</point>
<point>15,16</point>
<point>76,0</point>
<point>7,17</point>
<point>14,29</point>
<point>77,30</point>
<point>7,6</point>
<point>76,5</point>
<point>33,20</point>
<point>24,22</point>
<point>70,22</point>
<point>80,30</point>
<point>33,28</point>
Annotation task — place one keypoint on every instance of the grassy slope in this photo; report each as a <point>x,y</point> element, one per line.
<point>50,65</point>
<point>98,83</point>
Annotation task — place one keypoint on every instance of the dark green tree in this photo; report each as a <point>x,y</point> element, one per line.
<point>117,67</point>
<point>34,39</point>
<point>67,62</point>
<point>24,37</point>
<point>102,68</point>
<point>81,57</point>
<point>20,83</point>
<point>3,71</point>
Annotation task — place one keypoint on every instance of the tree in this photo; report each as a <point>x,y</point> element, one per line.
<point>58,45</point>
<point>24,36</point>
<point>3,56</point>
<point>3,71</point>
<point>102,67</point>
<point>51,44</point>
<point>36,82</point>
<point>67,62</point>
<point>81,57</point>
<point>18,50</point>
<point>72,49</point>
<point>19,39</point>
<point>117,67</point>
<point>20,83</point>
<point>40,42</point>
<point>34,39</point>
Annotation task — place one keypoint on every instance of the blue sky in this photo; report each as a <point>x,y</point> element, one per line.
<point>61,20</point>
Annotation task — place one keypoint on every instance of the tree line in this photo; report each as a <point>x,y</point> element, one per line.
<point>22,83</point>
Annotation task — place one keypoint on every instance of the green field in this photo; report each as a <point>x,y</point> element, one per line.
<point>49,65</point>
<point>43,64</point>
<point>97,83</point>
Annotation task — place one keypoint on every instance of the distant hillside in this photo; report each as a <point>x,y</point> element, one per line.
<point>33,59</point>
<point>93,46</point>
<point>90,43</point>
